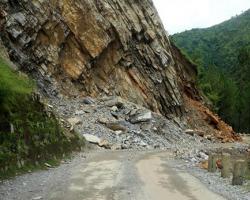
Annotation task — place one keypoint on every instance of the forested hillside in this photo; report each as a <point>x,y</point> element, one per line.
<point>222,54</point>
<point>218,45</point>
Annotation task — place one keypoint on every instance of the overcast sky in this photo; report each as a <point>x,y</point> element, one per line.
<point>181,15</point>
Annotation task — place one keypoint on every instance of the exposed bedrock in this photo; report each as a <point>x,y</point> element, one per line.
<point>93,47</point>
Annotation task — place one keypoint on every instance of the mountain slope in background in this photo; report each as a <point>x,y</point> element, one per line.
<point>218,45</point>
<point>222,53</point>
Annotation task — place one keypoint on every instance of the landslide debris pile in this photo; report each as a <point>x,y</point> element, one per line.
<point>114,123</point>
<point>207,124</point>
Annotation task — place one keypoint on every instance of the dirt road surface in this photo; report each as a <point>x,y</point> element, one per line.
<point>110,176</point>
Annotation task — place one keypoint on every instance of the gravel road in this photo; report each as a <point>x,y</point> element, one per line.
<point>110,175</point>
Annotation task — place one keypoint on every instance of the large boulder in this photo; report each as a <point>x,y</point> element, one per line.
<point>140,116</point>
<point>73,122</point>
<point>92,138</point>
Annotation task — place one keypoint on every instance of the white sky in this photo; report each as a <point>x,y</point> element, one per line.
<point>181,15</point>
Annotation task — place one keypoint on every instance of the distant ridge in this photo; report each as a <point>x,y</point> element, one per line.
<point>217,45</point>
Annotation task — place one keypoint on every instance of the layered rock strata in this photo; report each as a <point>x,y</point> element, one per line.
<point>93,47</point>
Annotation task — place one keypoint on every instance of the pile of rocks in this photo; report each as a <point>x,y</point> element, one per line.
<point>113,123</point>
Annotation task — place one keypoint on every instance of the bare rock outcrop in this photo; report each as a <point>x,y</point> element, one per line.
<point>91,47</point>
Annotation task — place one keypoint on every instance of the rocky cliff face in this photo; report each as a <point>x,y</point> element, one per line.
<point>93,47</point>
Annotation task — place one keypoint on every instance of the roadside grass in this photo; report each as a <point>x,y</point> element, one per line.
<point>12,85</point>
<point>29,135</point>
<point>33,167</point>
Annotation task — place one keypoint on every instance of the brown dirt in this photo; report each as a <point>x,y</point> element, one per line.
<point>200,118</point>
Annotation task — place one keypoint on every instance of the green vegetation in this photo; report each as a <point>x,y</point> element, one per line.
<point>218,45</point>
<point>222,54</point>
<point>28,134</point>
<point>12,85</point>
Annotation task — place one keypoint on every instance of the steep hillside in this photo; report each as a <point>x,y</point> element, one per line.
<point>95,47</point>
<point>218,45</point>
<point>222,53</point>
<point>106,48</point>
